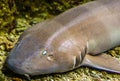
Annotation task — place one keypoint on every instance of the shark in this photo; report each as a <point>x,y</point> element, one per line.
<point>78,37</point>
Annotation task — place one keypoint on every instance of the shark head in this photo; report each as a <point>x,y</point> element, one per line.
<point>31,56</point>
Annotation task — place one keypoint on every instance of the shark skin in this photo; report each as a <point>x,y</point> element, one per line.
<point>77,37</point>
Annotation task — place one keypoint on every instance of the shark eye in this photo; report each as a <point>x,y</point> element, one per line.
<point>44,52</point>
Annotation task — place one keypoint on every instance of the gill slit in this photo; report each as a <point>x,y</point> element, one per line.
<point>74,61</point>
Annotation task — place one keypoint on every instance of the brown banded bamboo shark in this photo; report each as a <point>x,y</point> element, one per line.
<point>77,37</point>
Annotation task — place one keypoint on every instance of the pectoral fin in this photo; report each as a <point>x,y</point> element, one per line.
<point>102,62</point>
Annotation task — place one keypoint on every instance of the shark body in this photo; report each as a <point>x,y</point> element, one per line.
<point>77,37</point>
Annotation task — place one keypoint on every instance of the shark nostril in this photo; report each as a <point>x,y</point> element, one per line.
<point>28,69</point>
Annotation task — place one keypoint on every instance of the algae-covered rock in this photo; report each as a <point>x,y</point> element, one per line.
<point>7,14</point>
<point>18,15</point>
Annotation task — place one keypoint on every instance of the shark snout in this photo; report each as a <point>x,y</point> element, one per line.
<point>15,66</point>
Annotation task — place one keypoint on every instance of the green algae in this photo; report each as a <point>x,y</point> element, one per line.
<point>16,16</point>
